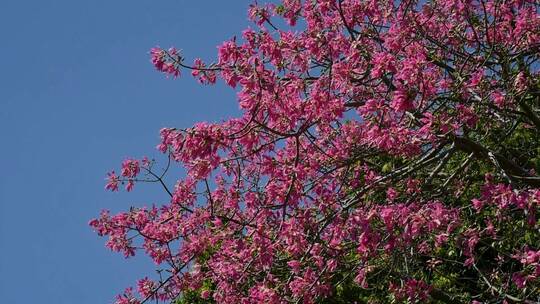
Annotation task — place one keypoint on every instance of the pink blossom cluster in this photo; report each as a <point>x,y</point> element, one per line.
<point>166,61</point>
<point>351,162</point>
<point>530,259</point>
<point>414,291</point>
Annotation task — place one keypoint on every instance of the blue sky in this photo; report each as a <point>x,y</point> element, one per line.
<point>77,96</point>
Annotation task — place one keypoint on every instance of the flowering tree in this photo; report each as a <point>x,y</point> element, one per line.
<point>387,151</point>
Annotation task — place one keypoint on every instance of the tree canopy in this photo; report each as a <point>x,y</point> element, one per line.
<point>387,152</point>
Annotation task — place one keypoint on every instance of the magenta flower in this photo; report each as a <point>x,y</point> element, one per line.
<point>112,181</point>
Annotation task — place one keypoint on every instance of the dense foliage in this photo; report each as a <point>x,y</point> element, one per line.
<point>387,152</point>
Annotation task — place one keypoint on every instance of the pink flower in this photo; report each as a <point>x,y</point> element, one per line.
<point>146,287</point>
<point>382,63</point>
<point>477,204</point>
<point>521,83</point>
<point>476,78</point>
<point>391,194</point>
<point>146,162</point>
<point>157,57</point>
<point>112,181</point>
<point>402,101</point>
<point>498,98</point>
<point>127,297</point>
<point>166,61</point>
<point>361,278</point>
<point>519,279</point>
<point>130,168</point>
<point>295,266</point>
<point>205,294</point>
<point>129,185</point>
<point>204,75</point>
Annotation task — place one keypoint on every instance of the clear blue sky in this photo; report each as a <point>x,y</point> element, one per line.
<point>77,96</point>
